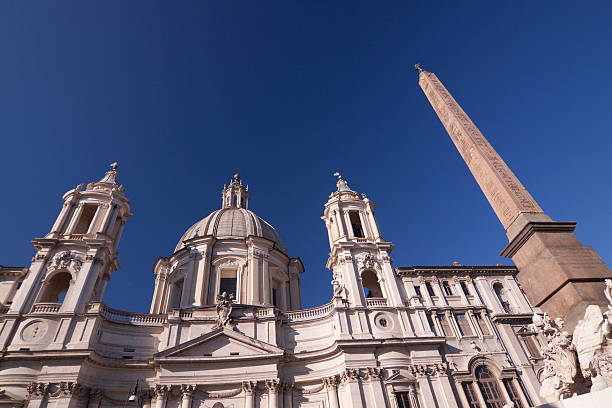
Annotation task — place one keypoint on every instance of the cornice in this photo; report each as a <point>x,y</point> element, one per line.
<point>531,228</point>
<point>457,270</point>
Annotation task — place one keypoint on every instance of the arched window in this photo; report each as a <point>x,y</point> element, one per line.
<point>501,295</point>
<point>370,282</point>
<point>57,287</point>
<point>489,387</point>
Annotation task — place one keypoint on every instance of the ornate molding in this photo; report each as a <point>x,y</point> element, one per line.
<point>161,390</point>
<point>272,385</point>
<point>36,390</point>
<point>249,387</point>
<point>187,389</point>
<point>66,260</point>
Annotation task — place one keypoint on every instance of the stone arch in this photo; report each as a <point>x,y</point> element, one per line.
<point>55,287</point>
<point>479,361</point>
<point>371,282</point>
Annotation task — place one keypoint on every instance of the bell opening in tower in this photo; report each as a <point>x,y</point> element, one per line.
<point>87,215</point>
<point>356,224</point>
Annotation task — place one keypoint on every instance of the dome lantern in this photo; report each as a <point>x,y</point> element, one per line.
<point>235,195</point>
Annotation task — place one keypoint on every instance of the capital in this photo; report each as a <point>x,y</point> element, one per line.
<point>249,387</point>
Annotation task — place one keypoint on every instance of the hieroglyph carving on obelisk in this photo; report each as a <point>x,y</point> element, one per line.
<point>504,191</point>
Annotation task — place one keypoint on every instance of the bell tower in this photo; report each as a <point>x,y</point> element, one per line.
<point>359,256</point>
<point>74,260</point>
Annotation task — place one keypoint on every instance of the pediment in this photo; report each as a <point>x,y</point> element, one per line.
<point>221,343</point>
<point>401,376</point>
<point>7,400</point>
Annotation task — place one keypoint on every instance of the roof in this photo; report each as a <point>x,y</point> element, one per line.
<point>232,223</point>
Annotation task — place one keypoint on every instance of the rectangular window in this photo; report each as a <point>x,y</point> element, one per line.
<point>429,289</point>
<point>228,285</point>
<point>356,224</point>
<point>513,393</point>
<point>464,324</point>
<point>274,297</point>
<point>532,347</point>
<point>446,328</point>
<point>465,288</point>
<point>417,290</point>
<point>403,400</point>
<point>468,389</point>
<point>448,291</point>
<point>87,215</point>
<point>432,327</point>
<point>482,324</point>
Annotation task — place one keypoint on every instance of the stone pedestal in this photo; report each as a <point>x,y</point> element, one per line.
<point>573,274</point>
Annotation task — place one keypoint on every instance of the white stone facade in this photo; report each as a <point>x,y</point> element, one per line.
<point>420,337</point>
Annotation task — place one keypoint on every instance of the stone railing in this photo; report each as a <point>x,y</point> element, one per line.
<point>142,319</point>
<point>310,314</point>
<point>46,308</point>
<point>376,302</point>
<point>268,312</point>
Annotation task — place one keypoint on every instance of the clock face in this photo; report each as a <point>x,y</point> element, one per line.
<point>34,331</point>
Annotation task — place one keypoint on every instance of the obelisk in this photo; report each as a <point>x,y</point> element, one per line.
<point>556,271</point>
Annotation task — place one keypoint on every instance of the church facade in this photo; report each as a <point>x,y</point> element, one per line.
<point>226,326</point>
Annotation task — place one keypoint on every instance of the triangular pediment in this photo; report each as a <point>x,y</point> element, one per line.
<point>401,376</point>
<point>221,343</point>
<point>9,401</point>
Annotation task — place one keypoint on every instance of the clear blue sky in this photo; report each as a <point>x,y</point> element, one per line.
<point>182,94</point>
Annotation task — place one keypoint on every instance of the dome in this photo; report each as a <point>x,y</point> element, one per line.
<point>232,223</point>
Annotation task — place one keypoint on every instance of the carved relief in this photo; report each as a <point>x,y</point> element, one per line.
<point>561,377</point>
<point>367,261</point>
<point>66,260</point>
<point>34,331</point>
<point>36,390</point>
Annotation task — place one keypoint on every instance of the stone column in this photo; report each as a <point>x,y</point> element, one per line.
<point>161,392</point>
<point>61,217</point>
<point>266,298</point>
<point>75,218</point>
<point>351,380</point>
<point>374,376</point>
<point>145,398</point>
<point>202,276</point>
<point>287,395</point>
<point>272,386</point>
<point>331,384</point>
<point>187,391</point>
<point>426,390</point>
<point>249,388</point>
